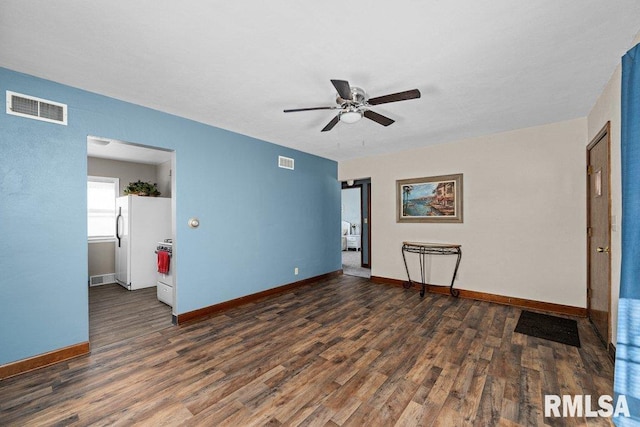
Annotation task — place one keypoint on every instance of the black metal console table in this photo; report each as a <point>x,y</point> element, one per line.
<point>423,249</point>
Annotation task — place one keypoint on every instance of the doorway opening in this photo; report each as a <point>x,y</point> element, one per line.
<point>599,235</point>
<point>356,227</point>
<point>124,276</point>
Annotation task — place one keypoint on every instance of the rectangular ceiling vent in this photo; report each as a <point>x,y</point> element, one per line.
<point>285,162</point>
<point>36,108</point>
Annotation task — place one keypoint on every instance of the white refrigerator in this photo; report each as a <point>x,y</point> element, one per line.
<point>141,222</point>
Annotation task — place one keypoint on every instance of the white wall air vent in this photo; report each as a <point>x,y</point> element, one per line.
<point>36,108</point>
<point>102,279</point>
<point>285,162</point>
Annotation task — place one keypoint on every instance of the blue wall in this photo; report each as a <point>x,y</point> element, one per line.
<point>258,221</point>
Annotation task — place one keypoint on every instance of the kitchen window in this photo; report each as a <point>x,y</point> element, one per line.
<point>101,208</point>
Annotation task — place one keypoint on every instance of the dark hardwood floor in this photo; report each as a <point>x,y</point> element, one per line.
<point>344,351</point>
<point>117,314</point>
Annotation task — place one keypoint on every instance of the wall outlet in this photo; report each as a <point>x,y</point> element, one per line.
<point>295,271</point>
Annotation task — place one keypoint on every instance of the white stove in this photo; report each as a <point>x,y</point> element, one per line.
<point>165,281</point>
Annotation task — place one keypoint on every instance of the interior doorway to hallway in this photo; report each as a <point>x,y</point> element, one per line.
<point>356,227</point>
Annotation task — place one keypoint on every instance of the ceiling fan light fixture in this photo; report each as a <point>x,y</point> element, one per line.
<point>354,103</point>
<point>350,116</point>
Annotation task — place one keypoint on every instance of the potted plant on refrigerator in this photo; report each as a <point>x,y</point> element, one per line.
<point>142,189</point>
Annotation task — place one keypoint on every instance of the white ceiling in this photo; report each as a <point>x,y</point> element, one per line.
<point>126,152</point>
<point>482,67</point>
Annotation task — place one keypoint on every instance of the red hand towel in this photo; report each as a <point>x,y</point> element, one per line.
<point>163,262</point>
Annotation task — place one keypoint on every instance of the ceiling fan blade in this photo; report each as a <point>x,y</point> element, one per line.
<point>394,97</point>
<point>343,88</point>
<point>331,124</point>
<point>293,110</point>
<point>379,118</point>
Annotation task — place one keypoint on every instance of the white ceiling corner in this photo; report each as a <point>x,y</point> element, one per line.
<point>482,67</point>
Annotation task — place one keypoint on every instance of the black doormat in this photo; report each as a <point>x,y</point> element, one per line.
<point>547,327</point>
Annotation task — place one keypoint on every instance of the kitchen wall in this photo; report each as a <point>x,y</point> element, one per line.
<point>102,254</point>
<point>101,257</point>
<point>163,178</point>
<point>126,171</point>
<point>251,213</point>
<point>524,212</point>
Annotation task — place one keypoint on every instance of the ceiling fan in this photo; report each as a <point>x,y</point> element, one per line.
<point>354,103</point>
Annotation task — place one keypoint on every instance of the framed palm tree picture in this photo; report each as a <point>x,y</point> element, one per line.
<point>430,199</point>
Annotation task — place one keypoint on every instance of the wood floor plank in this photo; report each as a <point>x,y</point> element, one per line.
<point>410,416</point>
<point>116,314</point>
<point>343,352</point>
<point>473,395</point>
<point>398,394</point>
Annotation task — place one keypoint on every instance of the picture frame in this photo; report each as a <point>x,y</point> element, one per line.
<point>435,199</point>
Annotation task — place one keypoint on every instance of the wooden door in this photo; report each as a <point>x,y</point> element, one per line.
<point>367,223</point>
<point>599,235</point>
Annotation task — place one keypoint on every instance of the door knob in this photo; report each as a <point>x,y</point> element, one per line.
<point>601,249</point>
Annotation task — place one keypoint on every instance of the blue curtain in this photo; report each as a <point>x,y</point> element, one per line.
<point>627,371</point>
